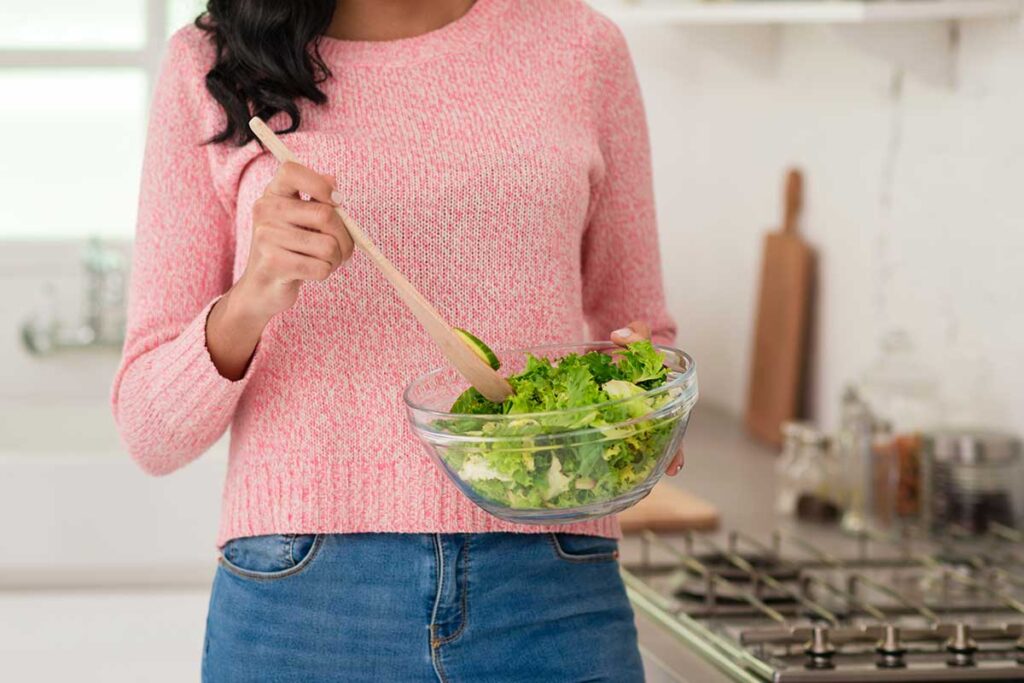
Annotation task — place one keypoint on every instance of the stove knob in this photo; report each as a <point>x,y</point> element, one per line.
<point>890,650</point>
<point>819,649</point>
<point>961,646</point>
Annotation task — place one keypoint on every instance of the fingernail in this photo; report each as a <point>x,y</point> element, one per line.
<point>336,197</point>
<point>624,332</point>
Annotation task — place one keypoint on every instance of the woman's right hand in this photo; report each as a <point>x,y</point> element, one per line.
<point>293,240</point>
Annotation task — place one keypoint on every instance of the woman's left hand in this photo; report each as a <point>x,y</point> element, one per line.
<point>636,331</point>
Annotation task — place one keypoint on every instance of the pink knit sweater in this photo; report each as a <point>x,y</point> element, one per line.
<point>501,162</point>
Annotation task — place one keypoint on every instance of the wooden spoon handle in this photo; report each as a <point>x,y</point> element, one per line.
<point>480,375</point>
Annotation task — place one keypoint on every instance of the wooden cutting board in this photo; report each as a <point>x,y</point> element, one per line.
<point>667,509</point>
<point>778,368</point>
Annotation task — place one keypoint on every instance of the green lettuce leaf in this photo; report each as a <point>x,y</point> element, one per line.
<point>540,465</point>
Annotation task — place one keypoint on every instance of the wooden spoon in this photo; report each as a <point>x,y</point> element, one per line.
<point>466,361</point>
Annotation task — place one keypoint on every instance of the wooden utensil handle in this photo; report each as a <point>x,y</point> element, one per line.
<point>794,200</point>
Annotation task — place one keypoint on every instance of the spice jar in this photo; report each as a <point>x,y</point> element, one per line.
<point>902,393</point>
<point>885,474</point>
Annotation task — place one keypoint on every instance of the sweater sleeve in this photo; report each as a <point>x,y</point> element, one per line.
<point>622,278</point>
<point>169,400</point>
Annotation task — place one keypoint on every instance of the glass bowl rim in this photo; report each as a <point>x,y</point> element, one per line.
<point>681,380</point>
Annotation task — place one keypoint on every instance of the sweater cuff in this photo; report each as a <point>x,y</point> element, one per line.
<point>191,370</point>
<point>194,337</point>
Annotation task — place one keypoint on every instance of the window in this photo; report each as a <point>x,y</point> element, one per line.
<point>75,79</point>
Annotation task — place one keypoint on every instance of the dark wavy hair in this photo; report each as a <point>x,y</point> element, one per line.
<point>268,59</point>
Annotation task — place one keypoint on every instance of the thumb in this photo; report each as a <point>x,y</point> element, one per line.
<point>635,331</point>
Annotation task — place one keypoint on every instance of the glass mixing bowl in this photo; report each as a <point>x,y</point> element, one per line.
<point>555,467</point>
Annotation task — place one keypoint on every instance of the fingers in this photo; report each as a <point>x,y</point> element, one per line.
<point>635,331</point>
<point>309,243</point>
<point>676,464</point>
<point>285,265</point>
<point>304,267</point>
<point>313,215</point>
<point>292,179</point>
<point>296,240</point>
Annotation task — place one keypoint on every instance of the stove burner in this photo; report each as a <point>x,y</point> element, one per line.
<point>719,564</point>
<point>694,585</point>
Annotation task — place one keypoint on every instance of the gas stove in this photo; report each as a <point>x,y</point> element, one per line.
<point>807,605</point>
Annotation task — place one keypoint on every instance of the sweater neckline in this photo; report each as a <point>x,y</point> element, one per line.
<point>455,36</point>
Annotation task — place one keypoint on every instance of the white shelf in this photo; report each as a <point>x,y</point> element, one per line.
<point>682,12</point>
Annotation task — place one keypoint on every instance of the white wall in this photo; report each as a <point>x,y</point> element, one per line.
<point>912,142</point>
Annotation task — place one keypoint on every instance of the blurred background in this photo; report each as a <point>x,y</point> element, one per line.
<point>905,119</point>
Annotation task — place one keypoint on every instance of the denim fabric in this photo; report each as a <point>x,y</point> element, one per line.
<point>420,607</point>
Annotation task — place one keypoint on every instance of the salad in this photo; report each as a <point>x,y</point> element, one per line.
<point>580,439</point>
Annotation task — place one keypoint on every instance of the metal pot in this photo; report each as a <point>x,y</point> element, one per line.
<point>972,480</point>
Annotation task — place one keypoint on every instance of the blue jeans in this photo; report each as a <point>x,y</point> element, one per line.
<point>420,607</point>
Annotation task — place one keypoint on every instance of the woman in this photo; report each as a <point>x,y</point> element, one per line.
<point>497,152</point>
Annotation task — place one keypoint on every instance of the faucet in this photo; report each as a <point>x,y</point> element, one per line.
<point>102,325</point>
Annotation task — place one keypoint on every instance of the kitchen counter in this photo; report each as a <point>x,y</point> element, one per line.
<point>737,475</point>
<point>730,470</point>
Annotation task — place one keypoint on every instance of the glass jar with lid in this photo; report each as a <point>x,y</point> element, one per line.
<point>806,474</point>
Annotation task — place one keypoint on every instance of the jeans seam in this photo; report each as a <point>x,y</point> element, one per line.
<point>291,549</point>
<point>435,656</point>
<point>433,644</point>
<point>464,601</point>
<point>274,576</point>
<point>580,559</point>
